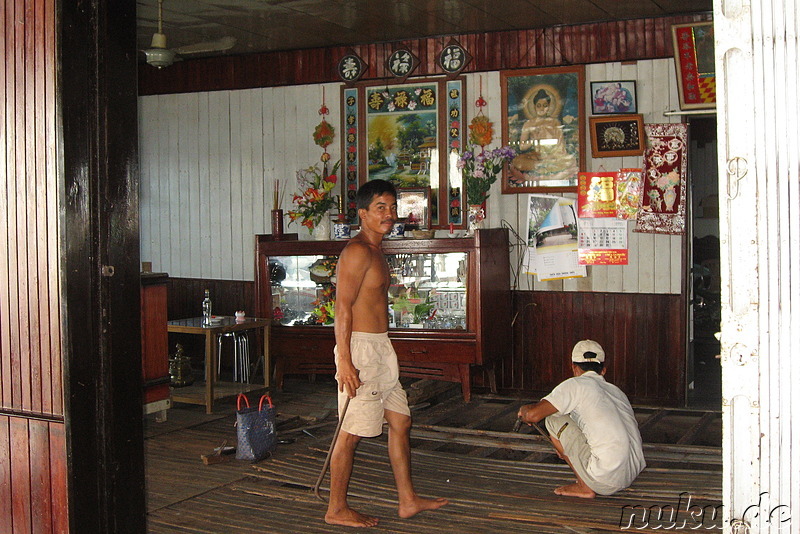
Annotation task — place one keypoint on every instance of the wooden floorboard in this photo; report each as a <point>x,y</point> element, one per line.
<point>486,471</point>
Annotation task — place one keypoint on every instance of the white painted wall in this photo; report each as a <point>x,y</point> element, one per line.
<point>209,164</point>
<point>210,160</point>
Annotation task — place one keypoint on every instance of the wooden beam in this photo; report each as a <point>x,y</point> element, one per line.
<point>702,424</point>
<point>654,418</point>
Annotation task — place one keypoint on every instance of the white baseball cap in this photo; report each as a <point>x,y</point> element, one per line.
<point>588,351</point>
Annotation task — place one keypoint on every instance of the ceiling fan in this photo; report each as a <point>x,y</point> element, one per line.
<point>159,56</point>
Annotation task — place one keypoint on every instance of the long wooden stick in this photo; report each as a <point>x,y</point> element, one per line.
<point>330,451</point>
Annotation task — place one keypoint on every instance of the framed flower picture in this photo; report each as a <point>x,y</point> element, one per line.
<point>618,135</point>
<point>613,97</point>
<point>543,121</point>
<point>406,134</point>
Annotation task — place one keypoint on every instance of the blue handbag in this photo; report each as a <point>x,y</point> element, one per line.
<point>255,429</point>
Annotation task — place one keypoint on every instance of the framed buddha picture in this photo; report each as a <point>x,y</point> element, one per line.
<point>543,121</point>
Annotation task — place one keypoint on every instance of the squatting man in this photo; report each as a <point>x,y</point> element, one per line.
<point>592,426</point>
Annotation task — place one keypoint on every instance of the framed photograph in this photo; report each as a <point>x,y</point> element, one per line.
<point>544,122</point>
<point>618,135</point>
<point>613,97</point>
<point>405,134</point>
<point>694,64</point>
<point>413,206</point>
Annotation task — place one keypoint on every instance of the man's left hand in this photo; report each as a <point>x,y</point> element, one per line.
<point>523,413</point>
<point>533,413</point>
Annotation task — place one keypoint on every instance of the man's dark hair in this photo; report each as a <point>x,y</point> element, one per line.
<point>590,366</point>
<point>372,189</point>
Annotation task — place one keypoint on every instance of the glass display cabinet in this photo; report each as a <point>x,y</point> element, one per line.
<point>449,303</point>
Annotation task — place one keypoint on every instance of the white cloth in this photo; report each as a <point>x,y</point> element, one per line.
<point>605,417</point>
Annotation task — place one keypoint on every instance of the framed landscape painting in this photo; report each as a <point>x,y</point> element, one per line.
<point>543,121</point>
<point>405,134</point>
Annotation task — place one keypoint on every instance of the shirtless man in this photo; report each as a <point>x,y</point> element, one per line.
<point>366,365</point>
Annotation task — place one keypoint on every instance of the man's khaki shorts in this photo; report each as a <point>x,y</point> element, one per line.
<point>376,362</point>
<point>565,429</point>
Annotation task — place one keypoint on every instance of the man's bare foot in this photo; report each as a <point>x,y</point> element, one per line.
<point>419,504</point>
<point>575,490</point>
<point>350,518</point>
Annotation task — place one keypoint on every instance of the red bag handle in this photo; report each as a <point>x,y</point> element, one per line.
<point>239,401</point>
<point>269,400</point>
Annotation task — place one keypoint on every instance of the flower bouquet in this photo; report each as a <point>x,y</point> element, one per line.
<point>316,198</point>
<point>480,170</point>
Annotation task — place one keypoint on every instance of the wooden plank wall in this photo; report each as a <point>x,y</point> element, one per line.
<point>185,296</point>
<point>210,162</point>
<point>641,334</point>
<point>33,472</point>
<point>622,40</point>
<point>656,262</point>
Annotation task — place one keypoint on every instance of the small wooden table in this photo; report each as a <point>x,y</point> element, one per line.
<point>195,326</point>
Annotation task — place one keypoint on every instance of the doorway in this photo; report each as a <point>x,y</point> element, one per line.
<point>704,372</point>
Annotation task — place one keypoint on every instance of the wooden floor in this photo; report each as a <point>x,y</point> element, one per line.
<point>496,480</point>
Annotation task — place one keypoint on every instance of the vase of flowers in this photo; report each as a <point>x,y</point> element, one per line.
<point>475,216</point>
<point>480,168</point>
<point>315,199</point>
<point>322,230</point>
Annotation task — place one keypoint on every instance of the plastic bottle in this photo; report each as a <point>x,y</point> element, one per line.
<point>207,308</point>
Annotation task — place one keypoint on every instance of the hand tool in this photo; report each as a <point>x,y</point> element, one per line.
<point>218,454</point>
<point>330,450</point>
<point>518,425</point>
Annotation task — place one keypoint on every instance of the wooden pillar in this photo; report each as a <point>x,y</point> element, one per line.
<point>103,369</point>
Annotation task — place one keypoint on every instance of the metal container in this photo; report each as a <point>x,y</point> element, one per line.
<point>180,369</point>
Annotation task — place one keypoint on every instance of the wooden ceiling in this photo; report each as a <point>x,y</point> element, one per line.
<point>271,25</point>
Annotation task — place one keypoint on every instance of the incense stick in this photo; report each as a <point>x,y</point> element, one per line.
<point>277,194</point>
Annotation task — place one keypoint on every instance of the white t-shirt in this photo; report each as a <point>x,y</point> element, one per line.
<point>604,415</point>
